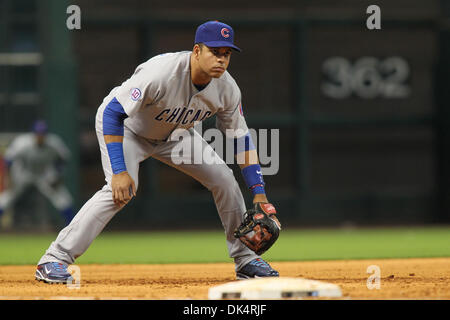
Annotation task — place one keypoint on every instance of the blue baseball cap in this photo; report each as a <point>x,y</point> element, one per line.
<point>40,127</point>
<point>215,34</point>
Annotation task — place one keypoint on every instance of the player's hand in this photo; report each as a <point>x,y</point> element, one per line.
<point>261,198</point>
<point>123,188</point>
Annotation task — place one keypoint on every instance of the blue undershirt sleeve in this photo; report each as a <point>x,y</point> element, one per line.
<point>244,143</point>
<point>113,118</point>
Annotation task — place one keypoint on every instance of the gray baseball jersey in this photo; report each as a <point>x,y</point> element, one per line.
<point>160,97</point>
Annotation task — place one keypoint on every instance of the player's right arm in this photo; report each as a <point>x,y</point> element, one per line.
<point>122,185</point>
<point>141,89</point>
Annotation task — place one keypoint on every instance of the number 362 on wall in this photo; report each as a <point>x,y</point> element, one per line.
<point>367,78</point>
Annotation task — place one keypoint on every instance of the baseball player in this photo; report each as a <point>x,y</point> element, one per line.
<point>138,119</point>
<point>37,159</point>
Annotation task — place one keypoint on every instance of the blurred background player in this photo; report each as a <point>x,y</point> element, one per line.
<point>36,159</point>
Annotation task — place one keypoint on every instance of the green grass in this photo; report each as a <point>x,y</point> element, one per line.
<point>208,247</point>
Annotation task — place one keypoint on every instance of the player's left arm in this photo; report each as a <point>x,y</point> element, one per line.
<point>247,158</point>
<point>232,122</point>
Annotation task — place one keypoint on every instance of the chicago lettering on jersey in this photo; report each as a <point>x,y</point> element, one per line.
<point>183,115</point>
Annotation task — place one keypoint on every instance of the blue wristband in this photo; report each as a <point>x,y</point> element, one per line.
<point>254,179</point>
<point>116,157</point>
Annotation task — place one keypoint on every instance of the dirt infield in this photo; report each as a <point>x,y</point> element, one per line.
<point>400,279</point>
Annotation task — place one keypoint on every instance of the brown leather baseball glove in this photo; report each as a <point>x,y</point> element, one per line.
<point>260,228</point>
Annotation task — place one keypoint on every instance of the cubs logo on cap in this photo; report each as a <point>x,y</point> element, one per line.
<point>225,32</point>
<point>215,34</point>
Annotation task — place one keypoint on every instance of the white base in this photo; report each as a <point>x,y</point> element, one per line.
<point>274,288</point>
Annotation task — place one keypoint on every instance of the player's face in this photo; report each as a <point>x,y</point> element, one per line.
<point>40,139</point>
<point>214,61</point>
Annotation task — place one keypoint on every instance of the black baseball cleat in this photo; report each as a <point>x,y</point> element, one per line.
<point>257,268</point>
<point>53,272</point>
